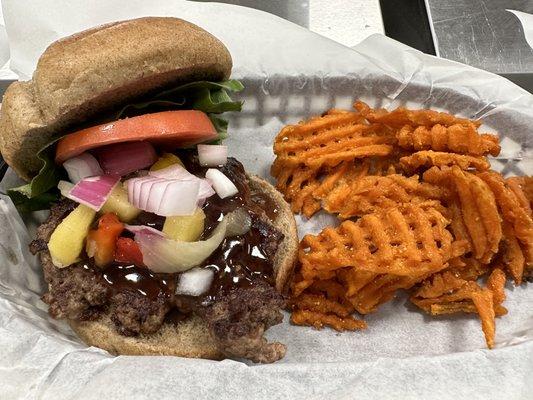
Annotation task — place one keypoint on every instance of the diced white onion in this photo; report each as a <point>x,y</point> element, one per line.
<point>178,172</point>
<point>195,282</point>
<point>212,155</point>
<point>82,166</point>
<point>169,191</point>
<point>221,183</point>
<point>165,197</point>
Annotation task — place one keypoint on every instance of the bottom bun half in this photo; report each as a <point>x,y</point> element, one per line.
<point>191,338</point>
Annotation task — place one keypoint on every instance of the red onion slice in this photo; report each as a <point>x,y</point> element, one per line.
<point>212,155</point>
<point>92,192</point>
<point>124,158</point>
<point>82,166</point>
<point>221,183</point>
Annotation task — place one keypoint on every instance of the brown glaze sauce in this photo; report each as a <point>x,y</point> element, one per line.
<point>129,277</point>
<point>239,261</point>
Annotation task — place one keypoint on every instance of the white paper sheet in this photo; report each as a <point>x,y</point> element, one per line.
<point>289,73</point>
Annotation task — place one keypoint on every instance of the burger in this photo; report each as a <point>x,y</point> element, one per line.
<point>157,242</point>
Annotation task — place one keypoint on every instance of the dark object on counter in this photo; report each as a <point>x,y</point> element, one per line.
<point>407,21</point>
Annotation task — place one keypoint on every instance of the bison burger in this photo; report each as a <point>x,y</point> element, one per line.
<point>157,242</point>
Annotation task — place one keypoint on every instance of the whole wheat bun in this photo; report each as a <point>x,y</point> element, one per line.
<point>191,338</point>
<point>98,69</point>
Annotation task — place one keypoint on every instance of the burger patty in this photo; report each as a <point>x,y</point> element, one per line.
<point>238,320</point>
<point>237,317</point>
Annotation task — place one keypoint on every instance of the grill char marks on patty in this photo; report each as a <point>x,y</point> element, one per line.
<point>237,317</point>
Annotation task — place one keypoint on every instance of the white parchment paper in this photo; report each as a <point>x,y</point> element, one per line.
<point>289,73</point>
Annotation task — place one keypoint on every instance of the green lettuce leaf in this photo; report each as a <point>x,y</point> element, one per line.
<point>209,97</point>
<point>40,192</point>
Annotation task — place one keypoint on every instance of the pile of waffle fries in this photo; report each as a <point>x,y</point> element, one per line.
<point>420,210</point>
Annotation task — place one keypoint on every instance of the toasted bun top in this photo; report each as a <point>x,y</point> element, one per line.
<point>98,69</point>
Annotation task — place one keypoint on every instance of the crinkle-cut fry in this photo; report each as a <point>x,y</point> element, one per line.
<point>462,139</point>
<point>318,320</point>
<point>372,193</point>
<point>512,256</point>
<point>320,304</point>
<point>512,211</point>
<point>402,116</point>
<point>429,158</point>
<point>401,241</point>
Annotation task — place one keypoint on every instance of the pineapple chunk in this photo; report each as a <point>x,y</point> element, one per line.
<point>118,203</point>
<point>68,239</point>
<point>166,160</point>
<point>185,227</point>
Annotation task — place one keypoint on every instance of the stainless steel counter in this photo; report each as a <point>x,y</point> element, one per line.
<point>345,21</point>
<point>482,33</point>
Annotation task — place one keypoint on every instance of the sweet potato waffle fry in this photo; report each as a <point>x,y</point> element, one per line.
<point>513,211</point>
<point>405,241</point>
<point>430,158</point>
<point>357,197</point>
<point>323,146</point>
<point>478,209</point>
<point>446,293</point>
<point>402,116</point>
<point>421,211</point>
<point>460,139</point>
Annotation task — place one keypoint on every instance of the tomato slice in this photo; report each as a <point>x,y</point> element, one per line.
<point>127,251</point>
<point>169,129</point>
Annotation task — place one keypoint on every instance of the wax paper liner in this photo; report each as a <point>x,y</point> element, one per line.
<point>289,73</point>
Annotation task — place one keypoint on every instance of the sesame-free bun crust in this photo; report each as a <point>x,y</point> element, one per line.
<point>99,69</point>
<point>191,337</point>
